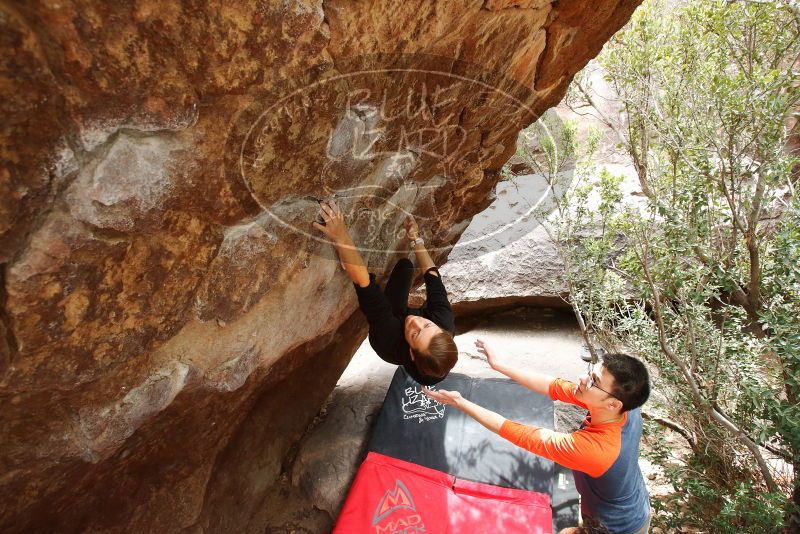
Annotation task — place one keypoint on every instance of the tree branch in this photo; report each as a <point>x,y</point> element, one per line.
<point>696,392</point>
<point>700,401</point>
<point>672,425</point>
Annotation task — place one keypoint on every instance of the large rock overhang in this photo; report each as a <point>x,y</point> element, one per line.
<point>168,322</point>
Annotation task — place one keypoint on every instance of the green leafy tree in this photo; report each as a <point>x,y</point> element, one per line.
<point>701,278</point>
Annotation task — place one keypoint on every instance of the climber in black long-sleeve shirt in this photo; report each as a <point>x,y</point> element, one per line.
<point>419,339</point>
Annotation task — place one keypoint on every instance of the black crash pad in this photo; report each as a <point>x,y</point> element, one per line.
<point>413,428</point>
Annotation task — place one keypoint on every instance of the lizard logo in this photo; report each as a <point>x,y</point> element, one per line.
<point>417,405</point>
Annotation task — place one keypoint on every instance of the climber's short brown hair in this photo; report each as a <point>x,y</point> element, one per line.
<point>440,356</point>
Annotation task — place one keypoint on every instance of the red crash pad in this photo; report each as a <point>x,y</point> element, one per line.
<point>390,496</point>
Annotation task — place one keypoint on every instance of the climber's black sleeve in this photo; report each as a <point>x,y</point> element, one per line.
<point>385,330</point>
<point>437,305</point>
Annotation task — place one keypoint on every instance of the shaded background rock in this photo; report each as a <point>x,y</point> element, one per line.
<point>168,329</point>
<point>505,257</point>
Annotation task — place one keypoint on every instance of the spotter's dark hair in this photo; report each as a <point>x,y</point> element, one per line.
<point>631,379</point>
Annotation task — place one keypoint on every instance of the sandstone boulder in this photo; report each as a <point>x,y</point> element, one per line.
<point>170,325</point>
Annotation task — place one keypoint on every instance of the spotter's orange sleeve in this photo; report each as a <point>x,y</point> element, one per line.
<point>591,450</point>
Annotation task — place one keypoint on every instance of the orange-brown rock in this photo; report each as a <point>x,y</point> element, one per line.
<point>169,323</point>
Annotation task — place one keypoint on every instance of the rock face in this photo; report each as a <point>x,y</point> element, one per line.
<point>169,325</point>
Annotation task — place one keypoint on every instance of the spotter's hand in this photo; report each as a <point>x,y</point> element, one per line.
<point>450,398</point>
<point>485,349</point>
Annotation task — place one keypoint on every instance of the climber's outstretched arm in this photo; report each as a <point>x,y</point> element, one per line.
<point>335,229</point>
<point>424,261</point>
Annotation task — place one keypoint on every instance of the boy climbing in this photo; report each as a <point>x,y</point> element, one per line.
<point>419,339</point>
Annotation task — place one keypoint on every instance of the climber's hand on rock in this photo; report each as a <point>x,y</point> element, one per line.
<point>449,398</point>
<point>334,226</point>
<point>412,230</point>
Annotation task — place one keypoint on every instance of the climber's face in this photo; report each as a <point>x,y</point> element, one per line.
<point>419,331</point>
